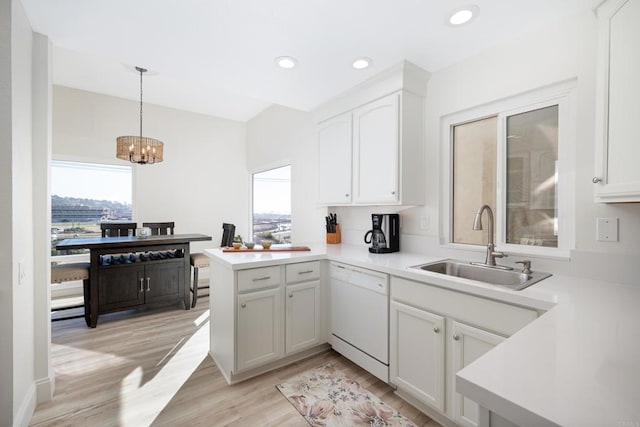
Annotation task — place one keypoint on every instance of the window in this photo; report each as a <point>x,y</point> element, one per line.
<point>515,156</point>
<point>83,195</point>
<point>532,178</point>
<point>271,205</point>
<point>474,176</point>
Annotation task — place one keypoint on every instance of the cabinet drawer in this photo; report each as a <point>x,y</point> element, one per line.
<point>504,319</point>
<point>303,271</point>
<point>258,278</point>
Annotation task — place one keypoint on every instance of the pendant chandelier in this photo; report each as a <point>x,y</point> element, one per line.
<point>139,149</point>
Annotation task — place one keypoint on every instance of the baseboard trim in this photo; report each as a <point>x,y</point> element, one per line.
<point>434,414</point>
<point>245,375</point>
<point>44,389</point>
<point>26,408</point>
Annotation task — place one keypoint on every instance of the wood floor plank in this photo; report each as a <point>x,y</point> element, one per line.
<point>153,368</point>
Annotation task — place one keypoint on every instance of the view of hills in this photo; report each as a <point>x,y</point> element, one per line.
<point>65,209</point>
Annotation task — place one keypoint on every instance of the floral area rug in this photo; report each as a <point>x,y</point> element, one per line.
<point>324,396</point>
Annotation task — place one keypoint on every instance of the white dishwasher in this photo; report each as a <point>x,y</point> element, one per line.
<point>360,317</point>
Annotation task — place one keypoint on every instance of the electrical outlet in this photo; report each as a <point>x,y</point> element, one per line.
<point>607,229</point>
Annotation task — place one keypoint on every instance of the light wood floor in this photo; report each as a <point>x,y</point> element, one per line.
<point>152,368</point>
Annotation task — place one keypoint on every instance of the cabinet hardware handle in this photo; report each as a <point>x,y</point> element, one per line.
<point>339,266</point>
<point>243,305</point>
<point>290,294</point>
<point>257,279</point>
<point>305,272</point>
<point>148,287</point>
<point>456,337</point>
<point>596,180</point>
<point>142,284</point>
<point>346,195</point>
<point>393,192</point>
<point>436,329</point>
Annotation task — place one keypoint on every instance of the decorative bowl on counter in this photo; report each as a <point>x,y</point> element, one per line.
<point>249,245</point>
<point>236,245</point>
<point>266,244</point>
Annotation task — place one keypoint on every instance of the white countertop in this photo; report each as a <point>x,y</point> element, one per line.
<point>578,364</point>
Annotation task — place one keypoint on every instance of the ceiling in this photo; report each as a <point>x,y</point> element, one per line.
<point>217,56</point>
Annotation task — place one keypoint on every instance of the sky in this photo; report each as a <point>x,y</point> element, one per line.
<point>272,191</point>
<point>91,181</point>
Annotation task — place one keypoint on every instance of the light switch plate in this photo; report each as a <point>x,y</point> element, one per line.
<point>607,229</point>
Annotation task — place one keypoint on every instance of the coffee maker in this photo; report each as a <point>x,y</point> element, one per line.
<point>384,236</point>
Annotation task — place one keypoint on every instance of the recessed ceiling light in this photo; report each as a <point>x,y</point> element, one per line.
<point>463,15</point>
<point>362,63</point>
<point>286,62</point>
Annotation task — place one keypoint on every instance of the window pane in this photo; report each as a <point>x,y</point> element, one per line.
<point>474,176</point>
<point>272,205</point>
<point>82,195</point>
<point>532,158</point>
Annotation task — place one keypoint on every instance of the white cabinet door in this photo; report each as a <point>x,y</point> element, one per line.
<point>617,177</point>
<point>376,140</point>
<point>334,157</point>
<point>417,353</point>
<point>259,328</point>
<point>302,324</point>
<point>468,343</point>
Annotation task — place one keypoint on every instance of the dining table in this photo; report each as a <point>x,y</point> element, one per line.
<point>132,272</point>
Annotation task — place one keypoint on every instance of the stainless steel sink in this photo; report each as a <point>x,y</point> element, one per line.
<point>494,276</point>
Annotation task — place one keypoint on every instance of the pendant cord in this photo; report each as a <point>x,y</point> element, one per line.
<point>140,102</point>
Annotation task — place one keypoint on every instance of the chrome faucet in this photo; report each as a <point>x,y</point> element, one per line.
<point>491,253</point>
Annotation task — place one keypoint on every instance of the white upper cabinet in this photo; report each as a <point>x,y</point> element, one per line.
<point>371,149</point>
<point>334,168</point>
<point>617,175</point>
<point>376,144</point>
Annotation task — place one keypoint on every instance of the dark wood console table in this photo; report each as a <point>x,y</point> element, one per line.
<point>128,272</point>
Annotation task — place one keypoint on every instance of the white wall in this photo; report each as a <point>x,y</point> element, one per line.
<point>17,291</point>
<point>280,136</point>
<point>562,51</point>
<point>42,133</point>
<point>6,214</point>
<point>202,181</point>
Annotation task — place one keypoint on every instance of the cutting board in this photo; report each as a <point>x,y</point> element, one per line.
<point>271,249</point>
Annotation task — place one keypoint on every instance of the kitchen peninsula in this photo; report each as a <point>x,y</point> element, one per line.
<point>128,272</point>
<point>519,380</point>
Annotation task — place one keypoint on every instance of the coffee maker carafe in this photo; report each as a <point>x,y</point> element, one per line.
<point>384,236</point>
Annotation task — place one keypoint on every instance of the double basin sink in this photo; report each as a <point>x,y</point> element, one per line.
<point>514,280</point>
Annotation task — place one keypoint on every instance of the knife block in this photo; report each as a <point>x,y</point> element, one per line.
<point>334,238</point>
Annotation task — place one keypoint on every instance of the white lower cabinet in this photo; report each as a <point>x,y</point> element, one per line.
<point>417,353</point>
<point>435,333</point>
<point>259,328</point>
<point>468,344</point>
<point>302,326</point>
<point>265,317</point>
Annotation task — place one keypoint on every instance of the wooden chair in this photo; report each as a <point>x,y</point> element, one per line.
<point>67,273</point>
<point>160,228</point>
<point>228,233</point>
<point>200,260</point>
<point>116,229</point>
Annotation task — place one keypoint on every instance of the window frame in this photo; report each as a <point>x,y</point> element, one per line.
<point>561,94</point>
<point>277,165</point>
